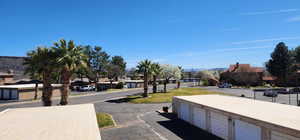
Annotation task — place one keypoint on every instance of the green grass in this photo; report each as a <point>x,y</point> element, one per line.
<point>104,120</point>
<point>167,97</point>
<point>119,90</point>
<point>113,90</point>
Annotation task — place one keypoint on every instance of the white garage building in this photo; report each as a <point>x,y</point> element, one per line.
<point>235,118</point>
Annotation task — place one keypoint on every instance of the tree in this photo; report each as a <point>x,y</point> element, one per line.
<point>69,59</point>
<point>156,71</point>
<point>41,65</point>
<point>97,61</point>
<point>113,71</point>
<point>145,68</point>
<point>168,72</point>
<point>119,62</point>
<point>280,62</point>
<point>296,54</point>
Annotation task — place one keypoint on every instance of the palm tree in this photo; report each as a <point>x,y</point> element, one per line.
<point>40,65</point>
<point>70,58</point>
<point>145,68</point>
<point>156,71</point>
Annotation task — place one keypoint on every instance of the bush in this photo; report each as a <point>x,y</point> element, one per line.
<point>205,82</point>
<point>120,85</point>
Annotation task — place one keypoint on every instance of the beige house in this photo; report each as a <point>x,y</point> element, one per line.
<point>25,92</point>
<point>6,78</point>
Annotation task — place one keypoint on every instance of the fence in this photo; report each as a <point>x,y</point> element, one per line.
<point>283,96</point>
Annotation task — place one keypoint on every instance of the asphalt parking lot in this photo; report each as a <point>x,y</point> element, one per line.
<point>145,122</point>
<point>282,98</point>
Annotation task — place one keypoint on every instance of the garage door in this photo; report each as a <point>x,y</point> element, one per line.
<point>6,94</point>
<point>184,112</point>
<point>246,131</point>
<point>219,125</point>
<point>199,118</point>
<point>14,94</point>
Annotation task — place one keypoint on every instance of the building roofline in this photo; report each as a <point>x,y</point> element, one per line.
<point>13,57</point>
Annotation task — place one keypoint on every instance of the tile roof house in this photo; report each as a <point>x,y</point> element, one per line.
<point>244,68</point>
<point>243,74</point>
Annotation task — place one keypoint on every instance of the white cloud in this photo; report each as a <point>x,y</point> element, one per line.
<point>265,40</point>
<point>271,12</point>
<point>212,52</point>
<point>294,19</point>
<point>242,48</point>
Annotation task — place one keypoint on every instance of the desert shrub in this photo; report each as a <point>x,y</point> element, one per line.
<point>205,82</point>
<point>120,85</point>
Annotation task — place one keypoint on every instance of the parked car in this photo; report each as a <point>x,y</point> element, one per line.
<point>282,90</point>
<point>75,86</point>
<point>270,93</point>
<point>294,90</point>
<point>225,85</point>
<point>87,88</point>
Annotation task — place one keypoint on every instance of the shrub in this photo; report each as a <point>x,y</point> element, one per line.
<point>205,82</point>
<point>120,85</point>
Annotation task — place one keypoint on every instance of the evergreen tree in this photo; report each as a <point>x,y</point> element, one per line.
<point>280,62</point>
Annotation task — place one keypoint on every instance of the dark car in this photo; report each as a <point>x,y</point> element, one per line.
<point>270,93</point>
<point>225,85</point>
<point>283,91</point>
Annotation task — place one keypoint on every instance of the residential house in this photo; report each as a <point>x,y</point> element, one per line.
<point>243,75</point>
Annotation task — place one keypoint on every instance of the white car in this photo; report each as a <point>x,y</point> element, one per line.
<point>86,88</point>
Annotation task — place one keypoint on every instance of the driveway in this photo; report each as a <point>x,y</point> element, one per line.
<point>145,122</point>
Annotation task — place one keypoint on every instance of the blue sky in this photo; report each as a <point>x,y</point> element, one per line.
<point>190,33</point>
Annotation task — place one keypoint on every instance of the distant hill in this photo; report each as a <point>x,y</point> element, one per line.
<point>13,63</point>
<point>217,69</point>
<point>193,69</point>
<point>202,69</point>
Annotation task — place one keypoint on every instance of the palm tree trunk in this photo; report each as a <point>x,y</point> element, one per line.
<point>47,90</point>
<point>154,84</point>
<point>165,86</point>
<point>111,84</point>
<point>36,91</point>
<point>145,85</point>
<point>66,76</point>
